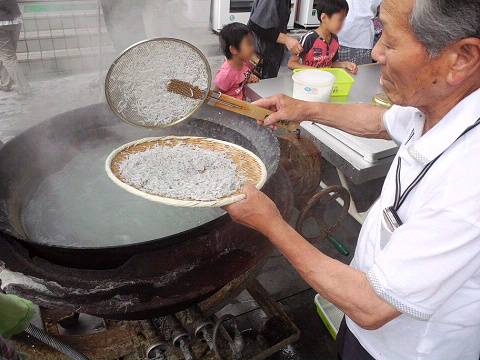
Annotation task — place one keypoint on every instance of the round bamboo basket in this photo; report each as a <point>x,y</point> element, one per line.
<point>248,165</point>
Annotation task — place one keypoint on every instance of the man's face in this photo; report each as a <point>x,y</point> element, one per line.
<point>410,77</point>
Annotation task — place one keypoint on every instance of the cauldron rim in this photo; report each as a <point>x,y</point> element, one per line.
<point>108,257</point>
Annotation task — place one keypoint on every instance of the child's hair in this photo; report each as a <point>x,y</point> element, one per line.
<point>331,7</point>
<point>232,35</point>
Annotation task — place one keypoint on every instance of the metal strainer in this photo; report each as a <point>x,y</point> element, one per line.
<point>159,82</point>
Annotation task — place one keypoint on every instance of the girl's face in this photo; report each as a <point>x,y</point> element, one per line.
<point>247,48</point>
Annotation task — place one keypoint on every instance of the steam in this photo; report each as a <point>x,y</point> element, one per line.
<point>54,94</point>
<point>130,21</point>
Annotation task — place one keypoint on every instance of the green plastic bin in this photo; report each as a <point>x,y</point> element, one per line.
<point>330,315</point>
<point>343,81</point>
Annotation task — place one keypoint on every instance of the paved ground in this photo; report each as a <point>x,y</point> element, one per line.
<point>49,98</point>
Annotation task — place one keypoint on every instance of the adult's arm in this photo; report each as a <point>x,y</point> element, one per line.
<point>274,35</point>
<point>358,119</point>
<point>270,34</point>
<point>343,286</point>
<point>292,44</point>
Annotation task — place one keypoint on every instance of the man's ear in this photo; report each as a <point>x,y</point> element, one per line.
<point>233,50</point>
<point>465,60</point>
<point>323,17</point>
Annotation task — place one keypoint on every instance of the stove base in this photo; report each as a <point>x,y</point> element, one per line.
<point>130,340</point>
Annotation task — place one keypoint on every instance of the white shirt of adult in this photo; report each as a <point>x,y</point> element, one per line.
<point>358,31</point>
<point>429,268</point>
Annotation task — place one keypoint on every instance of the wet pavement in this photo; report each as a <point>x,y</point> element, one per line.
<point>49,97</point>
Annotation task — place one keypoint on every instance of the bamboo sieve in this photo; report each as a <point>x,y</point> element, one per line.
<point>248,165</point>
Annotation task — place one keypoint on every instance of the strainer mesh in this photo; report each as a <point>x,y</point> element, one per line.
<point>136,84</point>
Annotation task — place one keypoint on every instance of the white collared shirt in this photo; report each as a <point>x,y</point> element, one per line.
<point>429,268</point>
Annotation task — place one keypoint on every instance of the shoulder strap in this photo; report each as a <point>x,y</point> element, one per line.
<point>400,198</point>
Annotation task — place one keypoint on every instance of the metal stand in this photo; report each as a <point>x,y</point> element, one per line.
<point>274,312</point>
<point>352,209</point>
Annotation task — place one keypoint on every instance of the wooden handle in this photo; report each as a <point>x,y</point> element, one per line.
<point>250,110</point>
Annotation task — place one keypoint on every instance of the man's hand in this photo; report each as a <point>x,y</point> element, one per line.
<point>257,211</point>
<point>293,45</point>
<point>284,108</point>
<point>253,78</point>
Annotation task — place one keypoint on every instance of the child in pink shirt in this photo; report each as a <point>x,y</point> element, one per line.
<point>236,42</point>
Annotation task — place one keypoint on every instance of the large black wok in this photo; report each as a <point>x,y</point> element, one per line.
<point>70,238</point>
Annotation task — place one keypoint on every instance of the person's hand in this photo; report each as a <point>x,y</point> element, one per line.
<point>351,67</point>
<point>284,108</point>
<point>253,78</point>
<point>293,45</point>
<point>256,211</point>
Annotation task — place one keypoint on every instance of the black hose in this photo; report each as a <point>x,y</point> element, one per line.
<point>55,343</point>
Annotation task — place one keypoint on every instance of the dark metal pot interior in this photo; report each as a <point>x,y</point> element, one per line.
<point>56,199</point>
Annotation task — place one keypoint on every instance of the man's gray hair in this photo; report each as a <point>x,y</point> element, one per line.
<point>439,23</point>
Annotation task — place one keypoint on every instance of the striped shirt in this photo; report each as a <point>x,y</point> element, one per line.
<point>317,52</point>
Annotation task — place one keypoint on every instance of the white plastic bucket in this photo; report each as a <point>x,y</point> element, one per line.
<point>313,85</point>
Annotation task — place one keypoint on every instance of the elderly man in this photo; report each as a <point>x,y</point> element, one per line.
<point>413,288</point>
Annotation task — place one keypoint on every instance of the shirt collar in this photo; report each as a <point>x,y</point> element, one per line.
<point>427,147</point>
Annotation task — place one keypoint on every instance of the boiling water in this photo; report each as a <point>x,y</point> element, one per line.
<point>80,206</point>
